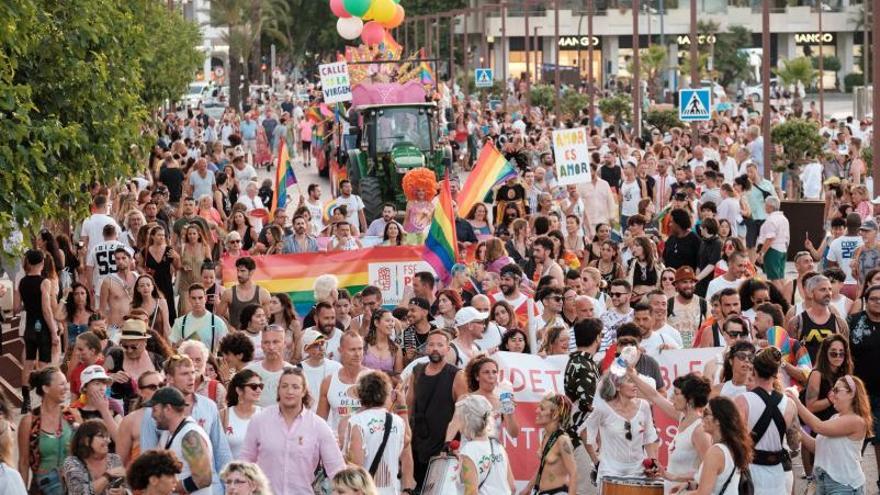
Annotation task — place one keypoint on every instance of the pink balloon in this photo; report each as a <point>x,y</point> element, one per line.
<point>339,9</point>
<point>373,33</point>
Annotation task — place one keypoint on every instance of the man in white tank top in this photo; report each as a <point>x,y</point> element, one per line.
<point>186,439</point>
<point>338,399</point>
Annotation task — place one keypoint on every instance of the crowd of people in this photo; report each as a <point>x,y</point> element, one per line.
<point>154,374</point>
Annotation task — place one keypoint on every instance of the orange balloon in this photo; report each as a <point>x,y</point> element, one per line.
<point>397,20</point>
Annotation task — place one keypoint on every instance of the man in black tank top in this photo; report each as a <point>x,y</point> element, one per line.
<point>40,332</point>
<point>243,294</point>
<point>818,321</point>
<point>431,402</point>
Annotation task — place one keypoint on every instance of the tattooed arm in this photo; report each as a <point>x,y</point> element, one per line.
<point>195,454</point>
<point>469,478</point>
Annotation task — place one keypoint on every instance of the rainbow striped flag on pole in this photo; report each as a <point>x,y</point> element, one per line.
<point>441,245</point>
<point>284,177</point>
<point>490,169</point>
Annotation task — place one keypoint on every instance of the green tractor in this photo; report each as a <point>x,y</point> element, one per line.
<point>391,141</point>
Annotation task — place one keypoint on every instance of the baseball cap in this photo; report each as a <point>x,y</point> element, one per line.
<point>92,373</point>
<point>684,273</point>
<point>469,314</point>
<point>311,337</point>
<point>166,396</point>
<point>869,224</point>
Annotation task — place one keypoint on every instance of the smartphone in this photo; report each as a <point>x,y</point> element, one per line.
<point>116,482</point>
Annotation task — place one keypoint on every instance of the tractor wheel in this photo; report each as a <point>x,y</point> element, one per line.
<point>371,194</point>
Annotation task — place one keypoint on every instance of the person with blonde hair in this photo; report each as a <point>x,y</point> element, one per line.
<point>476,415</point>
<point>353,480</point>
<point>496,255</point>
<point>560,477</point>
<point>244,478</point>
<point>837,467</point>
<point>10,479</point>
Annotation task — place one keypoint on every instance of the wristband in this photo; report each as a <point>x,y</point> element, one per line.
<point>189,485</point>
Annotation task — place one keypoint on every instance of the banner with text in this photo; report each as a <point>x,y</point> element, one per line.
<point>335,82</point>
<point>572,156</point>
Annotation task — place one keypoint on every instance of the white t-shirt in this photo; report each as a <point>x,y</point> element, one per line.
<point>720,283</point>
<point>841,251</point>
<point>317,213</point>
<point>371,424</point>
<point>10,481</point>
<point>811,176</point>
<point>491,462</point>
<point>353,204</point>
<point>630,194</point>
<point>270,382</point>
<point>245,175</point>
<point>93,228</point>
<point>491,337</point>
<point>102,260</point>
<point>316,374</point>
<point>664,335</point>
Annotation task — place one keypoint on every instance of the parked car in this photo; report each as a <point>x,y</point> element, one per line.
<point>756,92</point>
<point>197,93</point>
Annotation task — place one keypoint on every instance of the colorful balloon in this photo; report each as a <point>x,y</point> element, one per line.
<point>397,20</point>
<point>383,11</point>
<point>338,9</point>
<point>357,8</point>
<point>349,27</point>
<point>373,33</point>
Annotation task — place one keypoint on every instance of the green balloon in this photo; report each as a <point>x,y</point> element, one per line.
<point>397,2</point>
<point>357,8</point>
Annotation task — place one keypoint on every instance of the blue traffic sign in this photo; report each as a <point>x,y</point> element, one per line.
<point>483,77</point>
<point>694,105</point>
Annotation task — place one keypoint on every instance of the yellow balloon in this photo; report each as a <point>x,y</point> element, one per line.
<point>383,10</point>
<point>371,12</point>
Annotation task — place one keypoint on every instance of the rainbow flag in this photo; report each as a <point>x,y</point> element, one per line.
<point>284,177</point>
<point>390,47</point>
<point>490,170</point>
<point>425,73</point>
<point>294,274</point>
<point>441,246</point>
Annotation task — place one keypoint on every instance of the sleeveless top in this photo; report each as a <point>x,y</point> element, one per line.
<point>730,390</point>
<point>375,362</point>
<point>173,441</point>
<point>683,457</point>
<point>812,334</point>
<point>432,410</point>
<point>237,305</point>
<point>732,487</point>
<point>236,428</point>
<point>342,400</point>
<point>491,462</point>
<point>841,458</point>
<point>32,300</point>
<point>371,423</point>
<point>772,439</point>
<point>161,272</point>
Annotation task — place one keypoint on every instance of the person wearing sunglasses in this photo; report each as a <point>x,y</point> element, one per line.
<point>617,313</point>
<point>128,435</point>
<point>245,390</point>
<point>625,424</point>
<point>736,372</point>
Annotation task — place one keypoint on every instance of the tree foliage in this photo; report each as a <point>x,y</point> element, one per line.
<point>619,107</point>
<point>797,70</point>
<point>799,138</point>
<point>78,80</point>
<point>542,95</point>
<point>663,119</point>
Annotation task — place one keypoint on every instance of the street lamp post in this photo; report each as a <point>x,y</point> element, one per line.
<point>528,49</point>
<point>765,83</point>
<point>875,46</point>
<point>556,53</point>
<point>590,88</point>
<point>821,70</point>
<point>636,76</point>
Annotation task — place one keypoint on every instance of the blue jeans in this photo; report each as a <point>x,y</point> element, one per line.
<point>827,486</point>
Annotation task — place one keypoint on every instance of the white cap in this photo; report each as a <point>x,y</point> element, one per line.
<point>92,373</point>
<point>469,314</point>
<point>310,337</point>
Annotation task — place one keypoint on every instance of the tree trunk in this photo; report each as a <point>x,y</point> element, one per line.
<point>234,77</point>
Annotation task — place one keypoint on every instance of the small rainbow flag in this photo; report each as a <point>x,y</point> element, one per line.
<point>284,177</point>
<point>490,170</point>
<point>441,246</point>
<point>426,74</point>
<point>390,46</point>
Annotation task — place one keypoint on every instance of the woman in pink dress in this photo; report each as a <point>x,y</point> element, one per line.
<point>264,154</point>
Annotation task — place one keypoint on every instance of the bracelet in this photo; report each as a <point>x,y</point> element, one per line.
<point>189,485</point>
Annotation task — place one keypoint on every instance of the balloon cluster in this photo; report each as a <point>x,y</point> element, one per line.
<point>366,18</point>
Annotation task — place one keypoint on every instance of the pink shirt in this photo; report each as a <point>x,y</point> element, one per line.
<point>776,230</point>
<point>289,456</point>
<point>305,130</point>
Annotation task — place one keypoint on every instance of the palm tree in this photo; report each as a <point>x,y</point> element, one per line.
<point>653,64</point>
<point>794,71</point>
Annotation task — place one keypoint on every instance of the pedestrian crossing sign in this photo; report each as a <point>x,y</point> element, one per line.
<point>483,77</point>
<point>694,104</point>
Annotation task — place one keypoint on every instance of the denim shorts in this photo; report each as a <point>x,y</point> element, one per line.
<point>827,486</point>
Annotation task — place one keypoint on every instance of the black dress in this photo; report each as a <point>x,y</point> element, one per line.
<point>161,272</point>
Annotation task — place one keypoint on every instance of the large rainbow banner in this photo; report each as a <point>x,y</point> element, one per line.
<point>389,268</point>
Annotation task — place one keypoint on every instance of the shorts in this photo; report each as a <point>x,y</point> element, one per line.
<point>753,228</point>
<point>875,412</point>
<point>825,485</point>
<point>306,146</point>
<point>250,146</point>
<point>37,345</point>
<point>774,264</point>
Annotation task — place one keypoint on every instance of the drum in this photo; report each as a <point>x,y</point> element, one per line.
<point>616,485</point>
<point>442,476</point>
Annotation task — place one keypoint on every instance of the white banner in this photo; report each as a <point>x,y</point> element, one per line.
<point>335,83</point>
<point>572,156</point>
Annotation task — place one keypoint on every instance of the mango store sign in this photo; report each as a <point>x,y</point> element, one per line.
<point>335,83</point>
<point>572,156</point>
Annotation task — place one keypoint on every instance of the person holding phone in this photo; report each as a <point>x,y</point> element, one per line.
<point>91,468</point>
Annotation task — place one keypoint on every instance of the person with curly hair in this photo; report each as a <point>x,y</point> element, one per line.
<point>553,415</point>
<point>725,462</point>
<point>154,473</point>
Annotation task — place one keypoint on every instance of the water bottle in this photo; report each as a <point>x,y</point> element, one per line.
<point>629,356</point>
<point>506,397</point>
